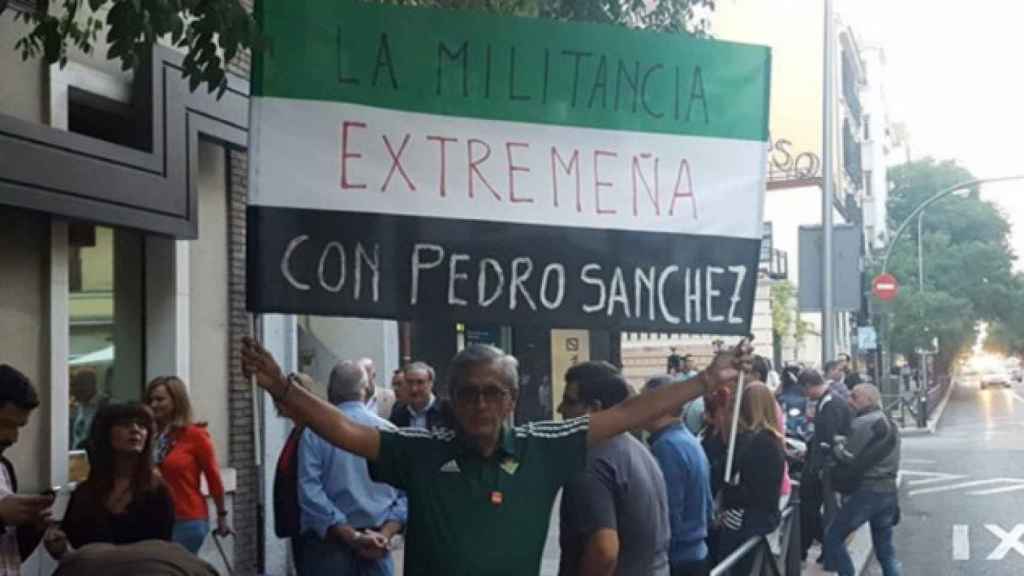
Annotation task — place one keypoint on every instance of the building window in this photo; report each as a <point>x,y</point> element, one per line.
<point>868,190</point>
<point>106,322</point>
<point>851,152</point>
<point>867,127</point>
<point>766,242</point>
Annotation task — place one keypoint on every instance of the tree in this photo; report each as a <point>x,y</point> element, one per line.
<point>213,32</point>
<point>782,294</point>
<point>968,263</point>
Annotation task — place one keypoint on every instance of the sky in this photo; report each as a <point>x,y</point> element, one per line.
<point>953,76</point>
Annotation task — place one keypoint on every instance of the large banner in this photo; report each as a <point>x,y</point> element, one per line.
<point>456,166</point>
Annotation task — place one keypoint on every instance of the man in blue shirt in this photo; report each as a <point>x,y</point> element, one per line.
<point>347,519</point>
<point>688,484</point>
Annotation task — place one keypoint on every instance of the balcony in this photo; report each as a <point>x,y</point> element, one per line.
<point>774,263</point>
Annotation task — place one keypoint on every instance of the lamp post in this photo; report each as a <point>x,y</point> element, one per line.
<point>931,200</point>
<point>915,213</point>
<point>827,163</point>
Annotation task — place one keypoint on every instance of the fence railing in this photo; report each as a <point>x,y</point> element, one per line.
<point>767,562</point>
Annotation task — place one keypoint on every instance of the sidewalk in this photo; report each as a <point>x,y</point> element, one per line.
<point>859,543</point>
<point>933,419</point>
<point>860,549</point>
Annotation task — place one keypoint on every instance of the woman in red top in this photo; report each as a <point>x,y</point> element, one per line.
<point>184,451</point>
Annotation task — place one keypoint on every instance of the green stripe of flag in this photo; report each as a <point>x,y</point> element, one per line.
<point>467,63</point>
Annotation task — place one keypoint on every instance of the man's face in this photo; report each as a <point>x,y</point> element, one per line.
<point>836,373</point>
<point>398,385</point>
<point>571,405</point>
<point>12,419</point>
<point>418,386</point>
<point>83,389</point>
<point>859,401</point>
<point>482,402</point>
<point>816,392</point>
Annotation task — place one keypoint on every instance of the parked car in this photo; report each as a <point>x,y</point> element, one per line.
<point>995,379</point>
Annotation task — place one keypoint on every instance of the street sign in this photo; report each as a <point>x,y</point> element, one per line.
<point>885,287</point>
<point>867,338</point>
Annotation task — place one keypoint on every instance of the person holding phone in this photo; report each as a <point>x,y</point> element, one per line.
<point>22,517</point>
<point>123,500</point>
<point>184,451</point>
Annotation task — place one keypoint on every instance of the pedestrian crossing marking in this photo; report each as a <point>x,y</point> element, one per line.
<point>961,542</point>
<point>961,485</point>
<point>1007,541</point>
<point>1002,490</point>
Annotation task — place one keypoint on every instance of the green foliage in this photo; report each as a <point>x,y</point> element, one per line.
<point>783,308</point>
<point>968,263</point>
<point>213,32</point>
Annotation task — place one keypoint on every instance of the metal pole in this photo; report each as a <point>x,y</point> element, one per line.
<point>920,253</point>
<point>922,394</point>
<point>934,198</point>
<point>827,315</point>
<point>731,452</point>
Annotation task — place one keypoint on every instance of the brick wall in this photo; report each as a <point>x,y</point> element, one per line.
<point>241,64</point>
<point>241,444</point>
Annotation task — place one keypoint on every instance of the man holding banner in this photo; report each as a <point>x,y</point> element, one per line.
<point>480,496</point>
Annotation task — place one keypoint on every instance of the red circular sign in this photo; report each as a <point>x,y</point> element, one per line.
<point>885,287</point>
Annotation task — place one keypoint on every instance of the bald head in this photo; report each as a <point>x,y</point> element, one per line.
<point>865,397</point>
<point>348,383</point>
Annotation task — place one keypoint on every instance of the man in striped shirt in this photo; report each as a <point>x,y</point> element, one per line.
<point>480,495</point>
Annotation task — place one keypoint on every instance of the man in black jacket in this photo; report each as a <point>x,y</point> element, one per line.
<point>422,409</point>
<point>832,418</point>
<point>22,517</point>
<point>870,459</point>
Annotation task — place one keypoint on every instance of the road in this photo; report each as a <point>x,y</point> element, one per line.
<point>963,488</point>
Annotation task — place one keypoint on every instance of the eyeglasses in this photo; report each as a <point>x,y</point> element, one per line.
<point>129,422</point>
<point>472,394</point>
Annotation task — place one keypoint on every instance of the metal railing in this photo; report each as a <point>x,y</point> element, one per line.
<point>765,561</point>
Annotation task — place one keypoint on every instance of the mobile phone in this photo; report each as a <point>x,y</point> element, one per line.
<point>61,498</point>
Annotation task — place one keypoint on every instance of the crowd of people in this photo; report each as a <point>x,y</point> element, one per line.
<point>476,491</point>
<point>142,492</point>
<point>642,475</point>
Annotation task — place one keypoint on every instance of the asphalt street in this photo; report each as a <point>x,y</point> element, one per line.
<point>963,488</point>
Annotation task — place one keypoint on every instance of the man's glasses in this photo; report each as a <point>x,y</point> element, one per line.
<point>472,394</point>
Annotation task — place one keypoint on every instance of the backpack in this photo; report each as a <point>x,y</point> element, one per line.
<point>847,476</point>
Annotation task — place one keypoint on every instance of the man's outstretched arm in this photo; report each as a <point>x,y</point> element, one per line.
<point>302,406</point>
<point>639,410</point>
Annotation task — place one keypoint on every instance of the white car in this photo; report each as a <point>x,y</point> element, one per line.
<point>995,379</point>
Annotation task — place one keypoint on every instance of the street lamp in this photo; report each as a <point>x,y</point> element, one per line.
<point>934,198</point>
<point>916,213</point>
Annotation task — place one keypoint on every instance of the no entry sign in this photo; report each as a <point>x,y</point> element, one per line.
<point>456,166</point>
<point>885,287</point>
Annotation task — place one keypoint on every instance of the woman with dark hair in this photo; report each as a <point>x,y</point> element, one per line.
<point>184,451</point>
<point>123,500</point>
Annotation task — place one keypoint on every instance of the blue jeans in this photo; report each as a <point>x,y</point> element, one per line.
<point>880,509</point>
<point>320,558</point>
<point>191,534</point>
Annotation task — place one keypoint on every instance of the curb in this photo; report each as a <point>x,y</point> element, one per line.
<point>933,420</point>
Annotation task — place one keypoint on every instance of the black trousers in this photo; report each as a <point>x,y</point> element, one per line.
<point>811,522</point>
